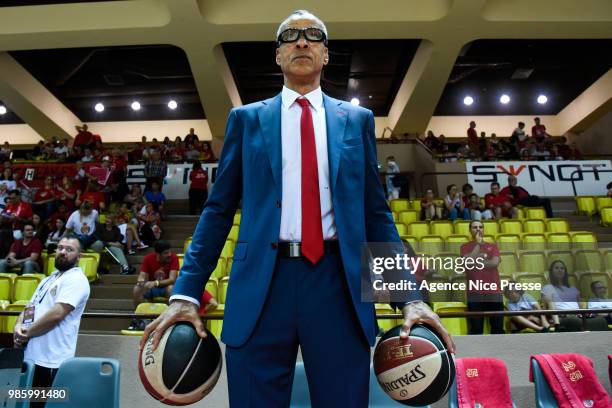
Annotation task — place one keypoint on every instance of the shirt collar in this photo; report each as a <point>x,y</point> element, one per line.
<point>315,97</point>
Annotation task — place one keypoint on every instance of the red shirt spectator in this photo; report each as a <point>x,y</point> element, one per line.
<point>199,179</point>
<point>472,136</point>
<point>206,299</point>
<point>25,251</point>
<point>484,275</point>
<point>63,198</point>
<point>44,193</point>
<point>151,266</point>
<point>18,209</point>
<point>94,197</point>
<point>84,137</point>
<point>515,195</point>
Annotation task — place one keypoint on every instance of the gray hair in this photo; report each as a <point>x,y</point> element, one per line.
<point>301,14</point>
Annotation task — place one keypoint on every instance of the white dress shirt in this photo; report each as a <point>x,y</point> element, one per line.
<point>291,211</point>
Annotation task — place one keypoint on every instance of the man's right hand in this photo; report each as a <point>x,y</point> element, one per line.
<point>178,311</point>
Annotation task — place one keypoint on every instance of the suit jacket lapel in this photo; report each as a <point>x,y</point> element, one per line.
<point>270,124</point>
<point>335,118</point>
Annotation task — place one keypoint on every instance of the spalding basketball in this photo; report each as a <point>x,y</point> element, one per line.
<point>184,368</point>
<point>416,371</point>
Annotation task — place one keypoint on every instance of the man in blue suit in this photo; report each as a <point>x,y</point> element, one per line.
<point>305,167</point>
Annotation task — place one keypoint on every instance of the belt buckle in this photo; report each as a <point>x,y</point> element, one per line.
<point>294,250</point>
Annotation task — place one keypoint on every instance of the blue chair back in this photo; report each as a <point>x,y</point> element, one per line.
<point>15,372</point>
<point>544,397</point>
<point>25,380</point>
<point>453,400</point>
<point>88,384</point>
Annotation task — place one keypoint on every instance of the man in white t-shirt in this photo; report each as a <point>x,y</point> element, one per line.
<point>49,325</point>
<point>601,299</point>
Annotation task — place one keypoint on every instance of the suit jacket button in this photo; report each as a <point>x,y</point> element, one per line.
<point>274,245</point>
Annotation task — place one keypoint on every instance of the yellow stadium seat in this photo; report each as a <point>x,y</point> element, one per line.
<point>508,263</point>
<point>531,226</point>
<point>416,204</point>
<point>181,259</point>
<point>6,286</point>
<point>462,227</point>
<point>186,245</point>
<point>384,309</point>
<point>441,228</point>
<point>222,289</point>
<point>520,214</point>
<point>24,287</point>
<point>456,326</point>
<point>588,261</point>
<point>43,259</point>
<point>606,216</point>
<point>401,229</point>
<point>211,287</point>
<point>418,229</point>
<point>412,240</point>
<point>607,256</point>
<point>535,212</point>
<point>9,321</point>
<point>439,202</point>
<point>510,226</point>
<point>439,296</point>
<point>557,225</point>
<point>401,204</point>
<point>431,244</point>
<point>228,249</point>
<point>228,269</point>
<point>409,216</point>
<point>564,256</point>
<point>454,242</point>
<point>489,239</point>
<point>508,242</point>
<point>583,240</point>
<point>534,242</point>
<point>572,279</point>
<point>89,265</point>
<point>601,202</point>
<point>237,218</point>
<point>587,278</point>
<point>395,216</point>
<point>490,227</point>
<point>145,308</point>
<point>444,269</point>
<point>216,326</point>
<point>3,305</point>
<point>459,295</point>
<point>533,262</point>
<point>220,270</point>
<point>585,205</point>
<point>233,234</point>
<point>559,241</point>
<point>537,278</point>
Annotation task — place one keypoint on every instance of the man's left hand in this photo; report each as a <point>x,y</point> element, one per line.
<point>419,312</point>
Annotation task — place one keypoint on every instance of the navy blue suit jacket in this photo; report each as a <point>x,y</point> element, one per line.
<point>250,170</point>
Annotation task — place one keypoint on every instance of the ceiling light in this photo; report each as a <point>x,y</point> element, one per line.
<point>136,105</point>
<point>172,104</point>
<point>99,107</point>
<point>468,100</point>
<point>505,99</point>
<point>2,110</point>
<point>355,101</point>
<point>542,99</point>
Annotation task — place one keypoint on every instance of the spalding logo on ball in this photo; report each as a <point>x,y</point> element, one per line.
<point>415,371</point>
<point>184,368</point>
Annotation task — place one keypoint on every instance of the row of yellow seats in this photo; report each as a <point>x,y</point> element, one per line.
<point>223,268</point>
<point>89,263</point>
<point>226,252</point>
<point>410,223</point>
<point>7,323</point>
<point>402,204</point>
<point>590,205</point>
<point>15,288</point>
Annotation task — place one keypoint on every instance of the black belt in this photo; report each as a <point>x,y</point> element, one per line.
<point>294,249</point>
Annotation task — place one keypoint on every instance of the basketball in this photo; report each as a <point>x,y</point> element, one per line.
<point>416,371</point>
<point>184,368</point>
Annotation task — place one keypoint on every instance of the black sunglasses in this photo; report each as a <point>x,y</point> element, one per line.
<point>311,34</point>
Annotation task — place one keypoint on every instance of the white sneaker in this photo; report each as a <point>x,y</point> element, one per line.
<point>142,245</point>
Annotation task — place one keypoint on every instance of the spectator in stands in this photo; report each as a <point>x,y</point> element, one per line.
<point>44,199</point>
<point>575,153</point>
<point>559,295</point>
<point>538,131</point>
<point>149,220</point>
<point>477,211</point>
<point>207,302</point>
<point>155,197</point>
<point>429,209</point>
<point>464,151</point>
<point>61,151</point>
<point>541,153</point>
<point>5,152</point>
<point>158,273</point>
<point>454,205</point>
<point>109,237</point>
<point>41,230</point>
<point>133,195</point>
<point>518,300</point>
<point>519,196</point>
<point>564,148</point>
<point>467,189</point>
<point>16,213</point>
<point>601,300</point>
<point>192,153</point>
<point>191,137</point>
<point>129,229</point>
<point>393,170</point>
<point>7,179</point>
<point>481,298</point>
<point>93,195</point>
<point>37,151</point>
<point>155,170</point>
<point>84,138</point>
<point>431,141</point>
<point>472,139</point>
<point>24,254</point>
<point>87,156</point>
<point>208,156</point>
<point>4,196</point>
<point>54,238</point>
<point>66,192</point>
<point>177,154</point>
<point>554,153</point>
<point>519,137</point>
<point>23,187</point>
<point>499,204</point>
<point>198,190</point>
<point>80,176</point>
<point>82,223</point>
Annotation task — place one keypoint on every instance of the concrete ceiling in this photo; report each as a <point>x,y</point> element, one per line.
<point>200,26</point>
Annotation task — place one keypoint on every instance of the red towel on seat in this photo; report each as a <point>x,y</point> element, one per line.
<point>482,381</point>
<point>573,380</point>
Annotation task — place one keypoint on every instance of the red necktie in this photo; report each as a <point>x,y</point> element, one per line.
<point>312,231</point>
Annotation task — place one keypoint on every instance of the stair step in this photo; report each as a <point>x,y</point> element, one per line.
<point>117,305</point>
<point>113,279</point>
<point>112,292</point>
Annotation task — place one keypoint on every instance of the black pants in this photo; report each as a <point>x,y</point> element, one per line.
<point>485,303</point>
<point>197,198</point>
<point>535,201</point>
<point>43,377</point>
